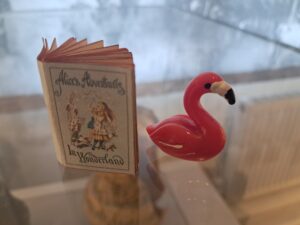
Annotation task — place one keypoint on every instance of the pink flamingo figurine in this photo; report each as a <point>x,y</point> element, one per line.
<point>196,136</point>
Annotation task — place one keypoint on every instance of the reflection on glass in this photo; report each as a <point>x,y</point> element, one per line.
<point>254,44</point>
<point>120,199</point>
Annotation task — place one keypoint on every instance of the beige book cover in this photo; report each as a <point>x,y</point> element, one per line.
<point>89,91</point>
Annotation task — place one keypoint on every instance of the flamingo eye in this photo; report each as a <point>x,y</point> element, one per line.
<point>207,85</point>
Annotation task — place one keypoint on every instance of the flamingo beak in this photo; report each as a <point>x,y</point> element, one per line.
<point>230,97</point>
<point>224,89</point>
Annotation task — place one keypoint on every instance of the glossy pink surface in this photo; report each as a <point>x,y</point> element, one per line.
<point>196,136</point>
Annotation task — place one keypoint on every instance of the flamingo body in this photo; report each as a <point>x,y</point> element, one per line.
<point>180,137</point>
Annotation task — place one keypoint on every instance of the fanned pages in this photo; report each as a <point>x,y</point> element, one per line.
<point>89,90</point>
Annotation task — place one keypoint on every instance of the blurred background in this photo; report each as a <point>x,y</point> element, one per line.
<point>254,44</point>
<point>169,39</point>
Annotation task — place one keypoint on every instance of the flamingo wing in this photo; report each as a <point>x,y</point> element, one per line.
<point>173,138</point>
<point>183,120</point>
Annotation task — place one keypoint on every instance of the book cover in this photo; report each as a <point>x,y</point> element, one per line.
<point>89,91</point>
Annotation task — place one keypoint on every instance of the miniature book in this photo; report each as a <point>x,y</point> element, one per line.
<point>89,91</point>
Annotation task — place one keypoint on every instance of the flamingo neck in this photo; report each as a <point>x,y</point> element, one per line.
<point>196,111</point>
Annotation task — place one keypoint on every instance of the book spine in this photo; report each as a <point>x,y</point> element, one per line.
<point>136,152</point>
<point>48,97</point>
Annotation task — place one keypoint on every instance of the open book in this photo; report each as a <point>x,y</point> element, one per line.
<point>89,91</point>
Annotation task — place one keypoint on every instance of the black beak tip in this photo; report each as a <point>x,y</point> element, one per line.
<point>230,97</point>
<point>231,102</point>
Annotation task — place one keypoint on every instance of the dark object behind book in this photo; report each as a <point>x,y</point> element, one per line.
<point>12,210</point>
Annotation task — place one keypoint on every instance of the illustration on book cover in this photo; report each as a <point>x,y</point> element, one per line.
<point>101,124</point>
<point>92,117</point>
